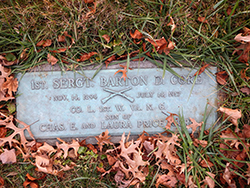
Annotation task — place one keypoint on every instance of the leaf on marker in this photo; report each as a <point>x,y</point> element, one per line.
<point>194,125</point>
<point>170,120</point>
<point>112,58</point>
<point>202,69</point>
<point>44,43</point>
<point>124,71</point>
<point>8,156</point>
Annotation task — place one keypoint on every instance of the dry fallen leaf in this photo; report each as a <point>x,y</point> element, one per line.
<point>221,77</point>
<point>59,50</point>
<point>11,84</point>
<point>166,180</point>
<point>20,131</point>
<point>88,1</point>
<point>86,56</point>
<point>1,182</point>
<point>228,177</point>
<point>202,69</point>
<point>124,71</point>
<point>103,138</point>
<point>209,180</point>
<point>245,90</point>
<point>106,37</point>
<point>202,19</point>
<point>161,45</point>
<point>172,24</point>
<point>233,115</point>
<point>242,39</point>
<point>136,35</point>
<point>170,120</point>
<point>112,58</point>
<point>8,156</point>
<point>194,125</point>
<point>51,59</point>
<point>65,147</point>
<point>31,181</point>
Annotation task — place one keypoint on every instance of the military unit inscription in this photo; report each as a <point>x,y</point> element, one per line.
<point>74,105</point>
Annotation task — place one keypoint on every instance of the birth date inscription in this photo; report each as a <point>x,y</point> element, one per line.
<point>72,105</point>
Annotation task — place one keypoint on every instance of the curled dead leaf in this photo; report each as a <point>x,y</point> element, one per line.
<point>112,58</point>
<point>245,90</point>
<point>202,69</point>
<point>202,20</point>
<point>242,39</point>
<point>86,56</point>
<point>44,43</point>
<point>106,37</point>
<point>11,84</point>
<point>51,59</point>
<point>233,115</point>
<point>136,35</point>
<point>124,71</point>
<point>222,77</point>
<point>8,156</point>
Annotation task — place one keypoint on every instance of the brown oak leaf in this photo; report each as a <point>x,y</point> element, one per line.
<point>65,147</point>
<point>209,180</point>
<point>11,84</point>
<point>166,180</point>
<point>20,131</point>
<point>233,115</point>
<point>86,56</point>
<point>242,39</point>
<point>170,120</point>
<point>124,71</point>
<point>8,156</point>
<point>44,43</point>
<point>168,151</point>
<point>194,125</point>
<point>103,138</point>
<point>112,58</point>
<point>136,35</point>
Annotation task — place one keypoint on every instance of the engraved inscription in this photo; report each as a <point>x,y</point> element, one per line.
<point>72,105</point>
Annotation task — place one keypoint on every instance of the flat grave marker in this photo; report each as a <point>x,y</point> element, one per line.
<point>72,105</point>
